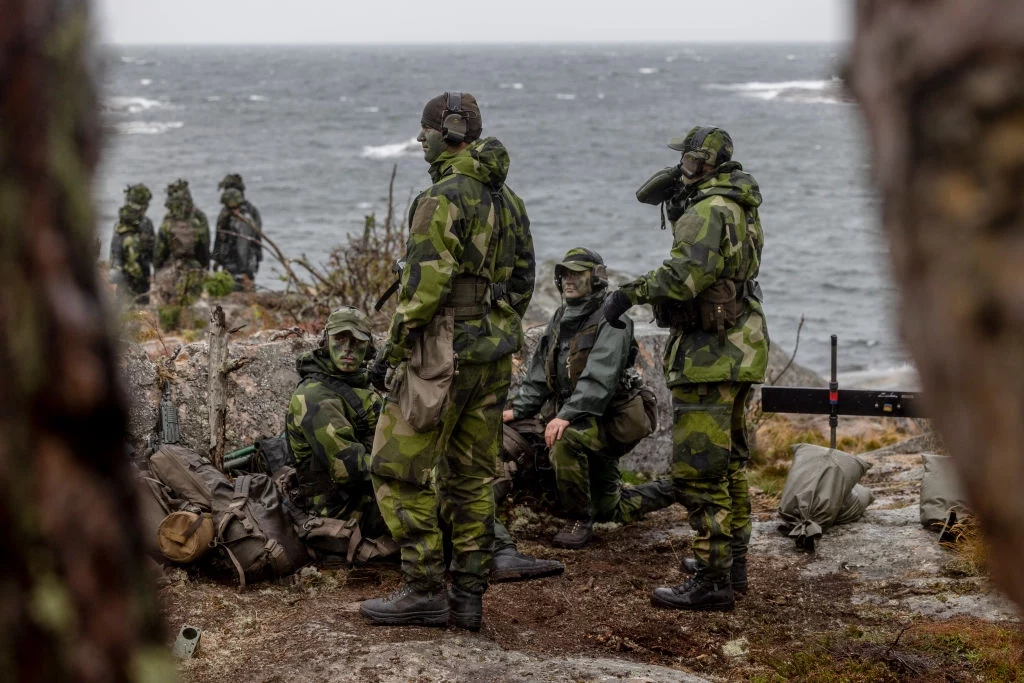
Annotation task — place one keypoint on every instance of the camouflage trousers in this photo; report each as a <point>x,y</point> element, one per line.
<point>464,448</point>
<point>709,457</point>
<point>589,483</point>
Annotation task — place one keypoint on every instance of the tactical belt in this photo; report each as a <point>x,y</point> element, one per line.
<point>473,296</point>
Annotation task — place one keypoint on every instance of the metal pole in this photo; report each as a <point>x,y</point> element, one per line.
<point>833,396</point>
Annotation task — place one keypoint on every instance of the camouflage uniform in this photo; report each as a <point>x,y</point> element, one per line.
<point>131,247</point>
<point>580,365</point>
<point>468,228</point>
<point>237,247</point>
<point>717,236</point>
<point>182,253</point>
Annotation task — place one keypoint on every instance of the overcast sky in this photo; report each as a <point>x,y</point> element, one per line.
<point>484,21</point>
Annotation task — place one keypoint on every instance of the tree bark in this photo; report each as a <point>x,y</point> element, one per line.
<point>941,84</point>
<point>76,602</point>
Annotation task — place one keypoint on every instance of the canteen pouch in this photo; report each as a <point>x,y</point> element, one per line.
<point>719,309</point>
<point>423,389</point>
<point>632,417</point>
<point>185,536</point>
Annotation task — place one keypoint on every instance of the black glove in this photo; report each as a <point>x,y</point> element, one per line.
<point>379,373</point>
<point>614,306</point>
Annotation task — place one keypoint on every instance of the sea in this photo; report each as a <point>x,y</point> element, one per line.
<point>316,131</point>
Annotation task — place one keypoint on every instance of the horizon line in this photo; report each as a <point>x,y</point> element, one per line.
<point>509,43</point>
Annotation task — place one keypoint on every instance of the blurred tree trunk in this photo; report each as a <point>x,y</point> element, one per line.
<point>941,83</point>
<point>75,600</point>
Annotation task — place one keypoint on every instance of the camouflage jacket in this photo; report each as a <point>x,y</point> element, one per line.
<point>130,253</point>
<point>327,436</point>
<point>237,248</point>
<point>451,225</point>
<point>717,236</point>
<point>167,249</point>
<point>606,361</point>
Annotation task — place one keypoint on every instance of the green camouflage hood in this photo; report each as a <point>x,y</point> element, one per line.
<point>484,160</point>
<point>319,361</point>
<point>731,181</point>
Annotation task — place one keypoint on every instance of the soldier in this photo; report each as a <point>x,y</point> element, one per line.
<point>238,247</point>
<point>182,254</point>
<point>330,424</point>
<point>707,295</point>
<point>131,247</point>
<point>581,365</point>
<point>467,283</point>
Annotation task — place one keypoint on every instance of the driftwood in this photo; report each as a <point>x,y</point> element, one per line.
<point>941,84</point>
<point>220,367</point>
<point>76,602</point>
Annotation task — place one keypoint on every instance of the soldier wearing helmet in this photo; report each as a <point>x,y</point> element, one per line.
<point>238,244</point>
<point>580,376</point>
<point>182,254</point>
<point>707,295</point>
<point>131,247</point>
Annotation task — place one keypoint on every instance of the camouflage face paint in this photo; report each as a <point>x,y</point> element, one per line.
<point>432,142</point>
<point>347,352</point>
<point>577,284</point>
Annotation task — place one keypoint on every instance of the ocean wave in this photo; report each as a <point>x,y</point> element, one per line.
<point>647,70</point>
<point>136,61</point>
<point>828,91</point>
<point>370,109</point>
<point>145,81</point>
<point>130,105</point>
<point>391,150</point>
<point>568,96</point>
<point>147,127</point>
<point>514,86</point>
<point>257,98</point>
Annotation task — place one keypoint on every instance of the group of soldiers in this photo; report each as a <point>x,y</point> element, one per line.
<point>177,256</point>
<point>408,437</point>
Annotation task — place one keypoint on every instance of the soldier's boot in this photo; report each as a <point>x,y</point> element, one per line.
<point>738,573</point>
<point>574,535</point>
<point>407,606</point>
<point>466,608</point>
<point>511,565</point>
<point>697,594</point>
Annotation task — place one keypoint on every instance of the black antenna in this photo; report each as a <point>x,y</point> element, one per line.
<point>833,396</point>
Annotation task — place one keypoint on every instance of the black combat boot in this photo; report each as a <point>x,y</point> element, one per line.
<point>466,608</point>
<point>408,607</point>
<point>698,594</point>
<point>738,573</point>
<point>574,535</point>
<point>512,565</point>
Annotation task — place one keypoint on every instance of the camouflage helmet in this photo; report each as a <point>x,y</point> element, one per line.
<point>713,145</point>
<point>138,194</point>
<point>232,198</point>
<point>231,180</point>
<point>350,319</point>
<point>579,259</point>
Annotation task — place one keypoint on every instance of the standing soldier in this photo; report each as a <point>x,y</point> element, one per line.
<point>237,247</point>
<point>182,254</point>
<point>707,295</point>
<point>465,287</point>
<point>581,369</point>
<point>131,247</point>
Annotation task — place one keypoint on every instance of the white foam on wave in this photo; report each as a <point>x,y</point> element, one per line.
<point>809,92</point>
<point>567,96</point>
<point>391,150</point>
<point>145,81</point>
<point>137,61</point>
<point>257,98</point>
<point>147,127</point>
<point>213,98</point>
<point>647,70</point>
<point>130,105</point>
<point>370,110</point>
<point>514,86</point>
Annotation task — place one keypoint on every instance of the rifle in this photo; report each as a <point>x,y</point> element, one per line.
<point>168,417</point>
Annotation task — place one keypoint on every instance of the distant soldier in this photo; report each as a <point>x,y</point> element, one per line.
<point>580,373</point>
<point>238,248</point>
<point>182,254</point>
<point>131,247</point>
<point>330,424</point>
<point>705,292</point>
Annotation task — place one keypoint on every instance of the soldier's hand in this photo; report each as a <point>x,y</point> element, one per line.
<point>508,415</point>
<point>379,374</point>
<point>614,306</point>
<point>553,432</point>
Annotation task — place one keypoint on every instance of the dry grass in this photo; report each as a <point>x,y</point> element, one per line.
<point>970,555</point>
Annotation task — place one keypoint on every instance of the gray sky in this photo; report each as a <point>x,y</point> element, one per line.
<point>484,21</point>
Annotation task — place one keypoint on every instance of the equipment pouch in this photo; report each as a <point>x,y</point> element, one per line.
<point>632,417</point>
<point>719,309</point>
<point>423,391</point>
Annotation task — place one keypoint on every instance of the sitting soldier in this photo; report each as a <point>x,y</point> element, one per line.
<point>238,246</point>
<point>578,380</point>
<point>330,424</point>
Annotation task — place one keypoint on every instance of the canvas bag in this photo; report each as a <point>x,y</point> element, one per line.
<point>940,490</point>
<point>188,474</point>
<point>816,490</point>
<point>156,501</point>
<point>632,418</point>
<point>185,536</point>
<point>423,388</point>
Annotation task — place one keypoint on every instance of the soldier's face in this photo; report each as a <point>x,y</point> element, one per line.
<point>432,142</point>
<point>576,284</point>
<point>347,352</point>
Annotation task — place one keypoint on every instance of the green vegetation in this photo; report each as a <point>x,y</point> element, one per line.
<point>219,284</point>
